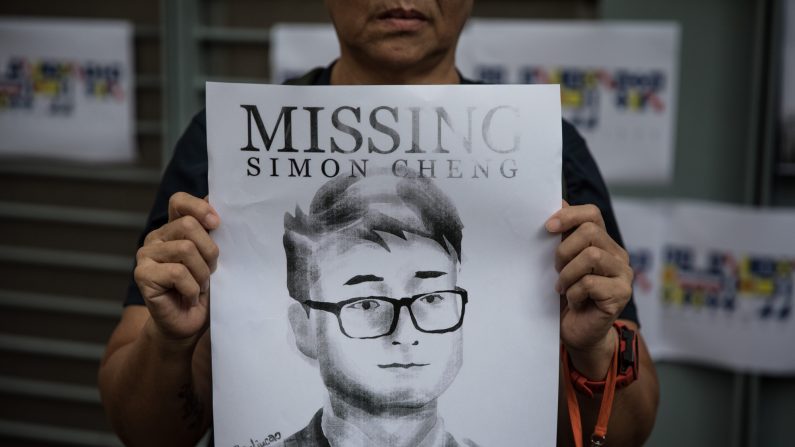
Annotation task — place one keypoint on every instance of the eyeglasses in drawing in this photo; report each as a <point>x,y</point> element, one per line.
<point>377,316</point>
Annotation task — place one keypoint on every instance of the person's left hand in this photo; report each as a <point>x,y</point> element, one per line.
<point>595,284</point>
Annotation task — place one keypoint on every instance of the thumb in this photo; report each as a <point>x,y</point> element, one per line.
<point>553,223</point>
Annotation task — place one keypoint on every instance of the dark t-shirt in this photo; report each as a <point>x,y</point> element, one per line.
<point>187,172</point>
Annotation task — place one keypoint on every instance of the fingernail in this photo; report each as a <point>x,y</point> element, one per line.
<point>206,286</point>
<point>211,220</point>
<point>553,225</point>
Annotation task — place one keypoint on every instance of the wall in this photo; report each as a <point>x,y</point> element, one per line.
<point>720,155</point>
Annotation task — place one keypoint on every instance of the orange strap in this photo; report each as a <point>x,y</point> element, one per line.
<point>600,431</point>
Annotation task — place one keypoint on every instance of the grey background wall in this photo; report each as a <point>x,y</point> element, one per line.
<point>68,232</point>
<point>725,151</point>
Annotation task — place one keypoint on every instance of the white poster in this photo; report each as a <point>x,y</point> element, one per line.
<point>299,47</point>
<point>384,275</point>
<point>66,89</point>
<point>723,293</point>
<point>618,83</point>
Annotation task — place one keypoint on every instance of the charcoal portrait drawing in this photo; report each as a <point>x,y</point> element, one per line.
<point>373,266</point>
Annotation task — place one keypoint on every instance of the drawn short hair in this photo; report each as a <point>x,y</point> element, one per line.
<point>355,209</point>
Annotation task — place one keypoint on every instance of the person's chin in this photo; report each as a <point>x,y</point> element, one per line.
<point>399,51</point>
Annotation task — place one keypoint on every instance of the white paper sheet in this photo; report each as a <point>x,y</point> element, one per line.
<point>618,83</point>
<point>66,89</point>
<point>266,385</point>
<point>723,294</point>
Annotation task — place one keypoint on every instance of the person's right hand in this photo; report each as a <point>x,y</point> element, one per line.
<point>174,265</point>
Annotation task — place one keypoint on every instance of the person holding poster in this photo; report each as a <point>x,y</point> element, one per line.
<point>155,377</point>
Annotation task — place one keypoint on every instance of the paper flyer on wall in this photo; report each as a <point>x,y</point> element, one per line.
<point>384,275</point>
<point>66,89</point>
<point>619,83</point>
<point>714,282</point>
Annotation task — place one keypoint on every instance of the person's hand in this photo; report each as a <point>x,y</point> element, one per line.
<point>174,265</point>
<point>595,283</point>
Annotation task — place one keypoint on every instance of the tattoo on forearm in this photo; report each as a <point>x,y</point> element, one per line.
<point>192,407</point>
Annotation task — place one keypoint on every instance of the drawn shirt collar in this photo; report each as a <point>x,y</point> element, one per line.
<point>341,433</point>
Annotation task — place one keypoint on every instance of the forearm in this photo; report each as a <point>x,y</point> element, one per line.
<point>153,393</point>
<point>633,413</point>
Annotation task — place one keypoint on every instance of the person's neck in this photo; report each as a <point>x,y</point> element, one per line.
<point>398,427</point>
<point>349,70</point>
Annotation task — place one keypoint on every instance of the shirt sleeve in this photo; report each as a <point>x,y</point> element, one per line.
<point>584,185</point>
<point>186,172</point>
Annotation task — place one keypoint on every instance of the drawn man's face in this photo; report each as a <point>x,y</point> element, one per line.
<point>407,368</point>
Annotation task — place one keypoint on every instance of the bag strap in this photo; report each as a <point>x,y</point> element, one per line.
<point>600,431</point>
